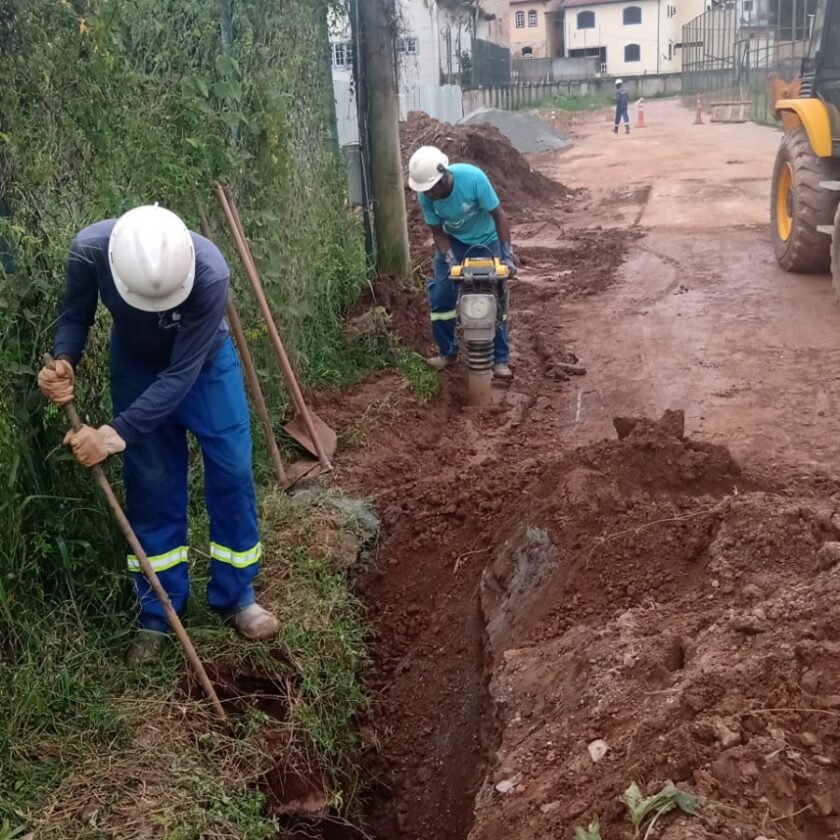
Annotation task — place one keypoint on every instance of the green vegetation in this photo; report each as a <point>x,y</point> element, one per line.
<point>107,105</point>
<point>72,702</point>
<point>424,381</point>
<point>640,807</point>
<point>591,832</point>
<point>644,812</point>
<point>593,101</point>
<point>584,102</point>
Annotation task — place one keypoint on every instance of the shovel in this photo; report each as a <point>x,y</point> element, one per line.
<point>251,377</point>
<point>309,430</point>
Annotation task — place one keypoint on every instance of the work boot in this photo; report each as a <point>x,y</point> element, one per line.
<point>502,371</point>
<point>615,130</point>
<point>627,127</point>
<point>146,647</point>
<point>440,362</point>
<point>255,623</point>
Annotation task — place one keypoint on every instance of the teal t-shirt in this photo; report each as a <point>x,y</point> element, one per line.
<point>465,213</point>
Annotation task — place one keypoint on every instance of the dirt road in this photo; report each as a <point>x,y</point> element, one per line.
<point>702,317</point>
<point>529,598</point>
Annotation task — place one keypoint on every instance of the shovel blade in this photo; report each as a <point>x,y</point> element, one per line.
<point>328,439</point>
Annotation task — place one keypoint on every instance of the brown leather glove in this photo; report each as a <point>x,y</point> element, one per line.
<point>57,385</point>
<point>92,446</point>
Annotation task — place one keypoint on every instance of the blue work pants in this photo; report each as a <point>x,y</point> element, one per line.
<point>215,411</point>
<point>443,299</point>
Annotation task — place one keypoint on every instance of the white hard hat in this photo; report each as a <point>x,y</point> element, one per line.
<point>619,82</point>
<point>426,168</point>
<point>152,259</point>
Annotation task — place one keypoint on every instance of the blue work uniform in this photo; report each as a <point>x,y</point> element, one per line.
<point>173,372</point>
<point>621,107</point>
<point>465,216</point>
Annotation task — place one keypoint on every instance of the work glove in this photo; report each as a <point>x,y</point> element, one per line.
<point>507,257</point>
<point>92,446</point>
<point>57,385</point>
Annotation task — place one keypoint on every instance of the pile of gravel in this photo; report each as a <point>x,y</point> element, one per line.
<point>526,130</point>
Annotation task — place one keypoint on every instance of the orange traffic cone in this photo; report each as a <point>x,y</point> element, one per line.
<point>698,116</point>
<point>640,122</point>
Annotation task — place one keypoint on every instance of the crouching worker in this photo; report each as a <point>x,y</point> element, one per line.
<point>173,370</point>
<point>463,211</point>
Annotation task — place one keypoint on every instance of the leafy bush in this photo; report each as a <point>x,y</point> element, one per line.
<point>106,105</point>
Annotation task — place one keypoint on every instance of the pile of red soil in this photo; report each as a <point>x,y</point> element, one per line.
<point>652,596</point>
<point>519,187</point>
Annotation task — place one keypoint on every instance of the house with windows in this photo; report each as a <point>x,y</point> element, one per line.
<point>628,37</point>
<point>536,29</point>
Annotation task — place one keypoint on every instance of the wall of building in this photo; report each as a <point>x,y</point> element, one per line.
<point>443,102</point>
<point>496,23</point>
<point>612,33</point>
<point>658,36</point>
<point>534,38</point>
<point>530,71</point>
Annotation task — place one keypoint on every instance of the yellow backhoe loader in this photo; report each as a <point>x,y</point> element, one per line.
<point>806,177</point>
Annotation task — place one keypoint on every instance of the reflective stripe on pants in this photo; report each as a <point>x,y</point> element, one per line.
<point>215,410</point>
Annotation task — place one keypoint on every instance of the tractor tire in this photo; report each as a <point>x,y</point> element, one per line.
<point>798,206</point>
<point>835,256</point>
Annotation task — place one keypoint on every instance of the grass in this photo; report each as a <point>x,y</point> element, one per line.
<point>584,102</point>
<point>423,380</point>
<point>91,749</point>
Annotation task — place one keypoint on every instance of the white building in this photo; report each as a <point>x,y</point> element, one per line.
<point>433,48</point>
<point>629,37</point>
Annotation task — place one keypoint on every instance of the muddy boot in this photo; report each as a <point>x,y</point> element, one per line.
<point>627,129</point>
<point>503,371</point>
<point>256,624</point>
<point>615,130</point>
<point>146,647</point>
<point>440,362</point>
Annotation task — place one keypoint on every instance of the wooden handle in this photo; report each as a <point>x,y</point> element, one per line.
<point>143,560</point>
<point>280,351</point>
<point>251,377</point>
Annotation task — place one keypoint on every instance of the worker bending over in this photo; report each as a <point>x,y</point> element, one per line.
<point>461,207</point>
<point>173,370</point>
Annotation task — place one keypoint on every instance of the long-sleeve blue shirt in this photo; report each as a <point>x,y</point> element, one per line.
<point>621,99</point>
<point>176,344</point>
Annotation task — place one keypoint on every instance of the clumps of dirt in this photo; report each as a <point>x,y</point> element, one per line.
<point>520,188</point>
<point>581,263</point>
<point>404,308</point>
<point>653,596</point>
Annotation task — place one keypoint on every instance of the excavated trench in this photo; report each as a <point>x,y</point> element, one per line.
<point>449,483</point>
<point>644,593</point>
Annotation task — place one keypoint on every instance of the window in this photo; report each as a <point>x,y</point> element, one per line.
<point>532,18</point>
<point>671,11</point>
<point>748,6</point>
<point>407,45</point>
<point>632,15</point>
<point>342,53</point>
<point>527,52</point>
<point>632,52</point>
<point>520,20</point>
<point>586,20</point>
<point>831,39</point>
